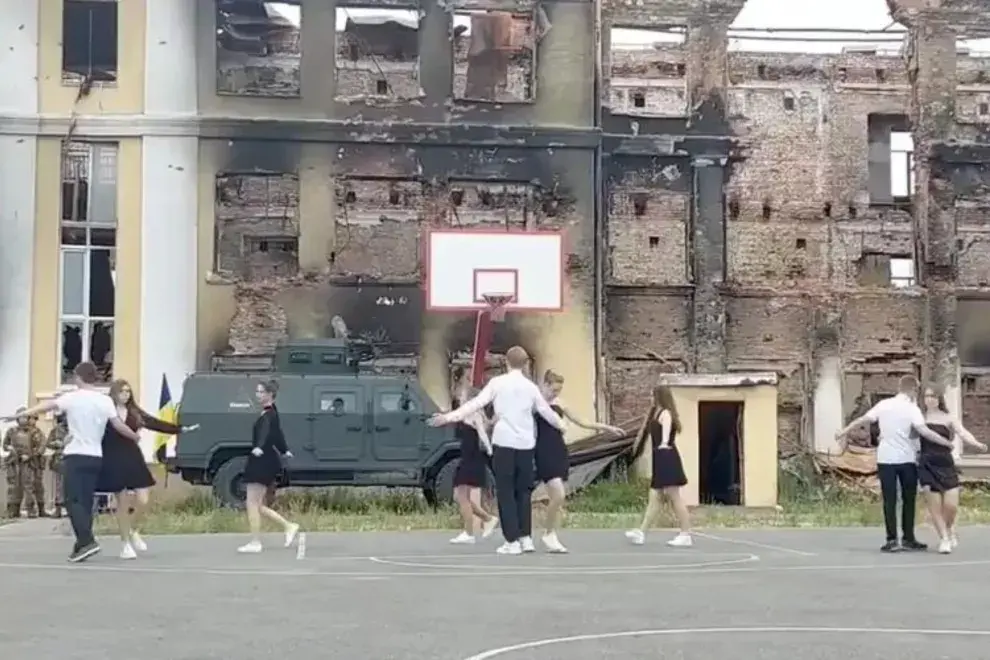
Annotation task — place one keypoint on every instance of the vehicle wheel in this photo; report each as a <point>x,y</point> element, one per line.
<point>228,484</point>
<point>443,482</point>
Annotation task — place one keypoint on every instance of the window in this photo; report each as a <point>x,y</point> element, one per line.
<point>394,402</point>
<point>87,261</point>
<point>901,272</point>
<point>89,40</point>
<point>338,403</point>
<point>901,165</point>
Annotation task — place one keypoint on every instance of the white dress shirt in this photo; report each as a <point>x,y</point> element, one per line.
<point>897,417</point>
<point>515,398</point>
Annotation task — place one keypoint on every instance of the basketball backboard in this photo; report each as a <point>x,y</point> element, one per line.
<point>465,266</point>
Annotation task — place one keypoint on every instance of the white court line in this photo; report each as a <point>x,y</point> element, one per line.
<point>510,569</point>
<point>192,570</point>
<point>755,544</point>
<point>505,650</point>
<point>301,546</point>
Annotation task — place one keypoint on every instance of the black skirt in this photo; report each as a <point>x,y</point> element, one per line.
<point>937,472</point>
<point>668,470</point>
<point>472,467</point>
<point>265,469</point>
<point>552,457</point>
<point>124,467</point>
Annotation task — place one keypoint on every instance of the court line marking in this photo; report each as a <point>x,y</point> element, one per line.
<point>525,646</point>
<point>301,546</point>
<point>195,570</point>
<point>509,569</point>
<point>755,544</point>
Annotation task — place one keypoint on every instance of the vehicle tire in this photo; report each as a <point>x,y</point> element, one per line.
<point>228,487</point>
<point>443,485</point>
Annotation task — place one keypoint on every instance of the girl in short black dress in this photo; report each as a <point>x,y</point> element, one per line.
<point>553,458</point>
<point>124,471</point>
<point>661,427</point>
<point>264,465</point>
<point>937,472</point>
<point>471,475</point>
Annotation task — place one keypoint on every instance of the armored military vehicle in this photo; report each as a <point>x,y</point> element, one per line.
<point>345,423</point>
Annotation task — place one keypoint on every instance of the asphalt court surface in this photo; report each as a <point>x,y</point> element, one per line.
<point>767,594</point>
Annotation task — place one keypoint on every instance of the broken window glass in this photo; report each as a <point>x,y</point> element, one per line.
<point>377,54</point>
<point>259,48</point>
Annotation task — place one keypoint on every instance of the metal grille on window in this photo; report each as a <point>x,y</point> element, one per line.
<point>88,256</point>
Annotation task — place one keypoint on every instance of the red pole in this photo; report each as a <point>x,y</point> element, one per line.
<point>482,342</point>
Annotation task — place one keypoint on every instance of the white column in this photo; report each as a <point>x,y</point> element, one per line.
<point>169,205</point>
<point>828,418</point>
<point>18,177</point>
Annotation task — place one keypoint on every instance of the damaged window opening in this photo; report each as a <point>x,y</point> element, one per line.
<point>372,201</point>
<point>901,165</point>
<point>495,55</point>
<point>89,40</point>
<point>895,271</point>
<point>984,109</point>
<point>256,225</point>
<point>789,104</point>
<point>87,256</point>
<point>259,48</point>
<point>646,72</point>
<point>639,203</point>
<point>377,54</point>
<point>501,204</point>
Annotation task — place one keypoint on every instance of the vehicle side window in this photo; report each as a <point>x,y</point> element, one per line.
<point>338,403</point>
<point>396,402</point>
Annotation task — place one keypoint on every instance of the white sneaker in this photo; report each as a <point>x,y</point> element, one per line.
<point>138,542</point>
<point>945,546</point>
<point>636,536</point>
<point>290,534</point>
<point>488,528</point>
<point>953,539</point>
<point>682,540</point>
<point>553,544</point>
<point>526,543</point>
<point>252,548</point>
<point>127,552</point>
<point>463,539</point>
<point>510,549</point>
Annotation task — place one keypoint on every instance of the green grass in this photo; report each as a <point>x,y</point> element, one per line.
<point>806,500</point>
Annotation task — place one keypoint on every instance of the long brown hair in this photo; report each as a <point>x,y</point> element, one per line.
<point>939,393</point>
<point>663,399</point>
<point>135,415</point>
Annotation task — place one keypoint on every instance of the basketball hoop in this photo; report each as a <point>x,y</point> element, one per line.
<point>496,305</point>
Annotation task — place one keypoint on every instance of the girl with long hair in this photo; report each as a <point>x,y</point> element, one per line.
<point>552,459</point>
<point>937,472</point>
<point>471,475</point>
<point>264,465</point>
<point>124,471</point>
<point>661,426</point>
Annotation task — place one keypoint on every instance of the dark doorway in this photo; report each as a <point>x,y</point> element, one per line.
<point>720,452</point>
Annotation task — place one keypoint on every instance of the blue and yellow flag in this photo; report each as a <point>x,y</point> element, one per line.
<point>167,413</point>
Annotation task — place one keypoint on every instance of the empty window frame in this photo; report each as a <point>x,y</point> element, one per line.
<point>901,165</point>
<point>259,48</point>
<point>494,56</point>
<point>377,53</point>
<point>89,40</point>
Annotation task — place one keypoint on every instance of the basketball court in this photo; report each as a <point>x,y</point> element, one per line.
<point>769,594</point>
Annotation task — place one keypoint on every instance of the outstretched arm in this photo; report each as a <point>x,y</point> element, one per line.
<point>473,406</point>
<point>930,435</point>
<point>967,437</point>
<point>40,409</point>
<point>593,426</point>
<point>152,423</point>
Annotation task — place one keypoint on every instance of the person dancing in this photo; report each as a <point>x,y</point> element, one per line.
<point>264,465</point>
<point>552,459</point>
<point>661,426</point>
<point>515,398</point>
<point>471,474</point>
<point>124,472</point>
<point>937,472</point>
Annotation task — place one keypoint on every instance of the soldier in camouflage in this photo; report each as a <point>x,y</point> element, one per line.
<point>24,447</point>
<point>56,442</point>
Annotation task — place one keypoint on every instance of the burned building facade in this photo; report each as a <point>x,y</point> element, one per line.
<point>214,185</point>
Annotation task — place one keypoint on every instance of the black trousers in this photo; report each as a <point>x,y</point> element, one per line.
<point>514,473</point>
<point>79,476</point>
<point>892,474</point>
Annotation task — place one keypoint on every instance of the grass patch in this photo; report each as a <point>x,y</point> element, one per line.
<point>807,499</point>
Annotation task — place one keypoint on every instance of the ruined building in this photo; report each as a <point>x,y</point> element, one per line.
<point>235,172</point>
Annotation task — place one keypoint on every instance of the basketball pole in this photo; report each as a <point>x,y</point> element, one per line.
<point>483,330</point>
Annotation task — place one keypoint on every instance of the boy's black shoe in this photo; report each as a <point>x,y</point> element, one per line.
<point>890,546</point>
<point>84,553</point>
<point>913,545</point>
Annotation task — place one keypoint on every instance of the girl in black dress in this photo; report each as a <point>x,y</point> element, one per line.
<point>662,424</point>
<point>937,472</point>
<point>264,465</point>
<point>124,471</point>
<point>552,460</point>
<point>472,473</point>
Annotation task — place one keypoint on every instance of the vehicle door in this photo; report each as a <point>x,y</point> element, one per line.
<point>399,424</point>
<point>338,422</point>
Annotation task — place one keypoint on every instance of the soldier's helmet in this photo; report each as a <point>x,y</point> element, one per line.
<point>21,417</point>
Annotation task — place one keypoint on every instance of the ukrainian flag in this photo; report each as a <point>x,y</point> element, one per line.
<point>167,412</point>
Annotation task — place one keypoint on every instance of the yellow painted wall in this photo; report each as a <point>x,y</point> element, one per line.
<point>759,439</point>
<point>126,96</point>
<point>45,330</point>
